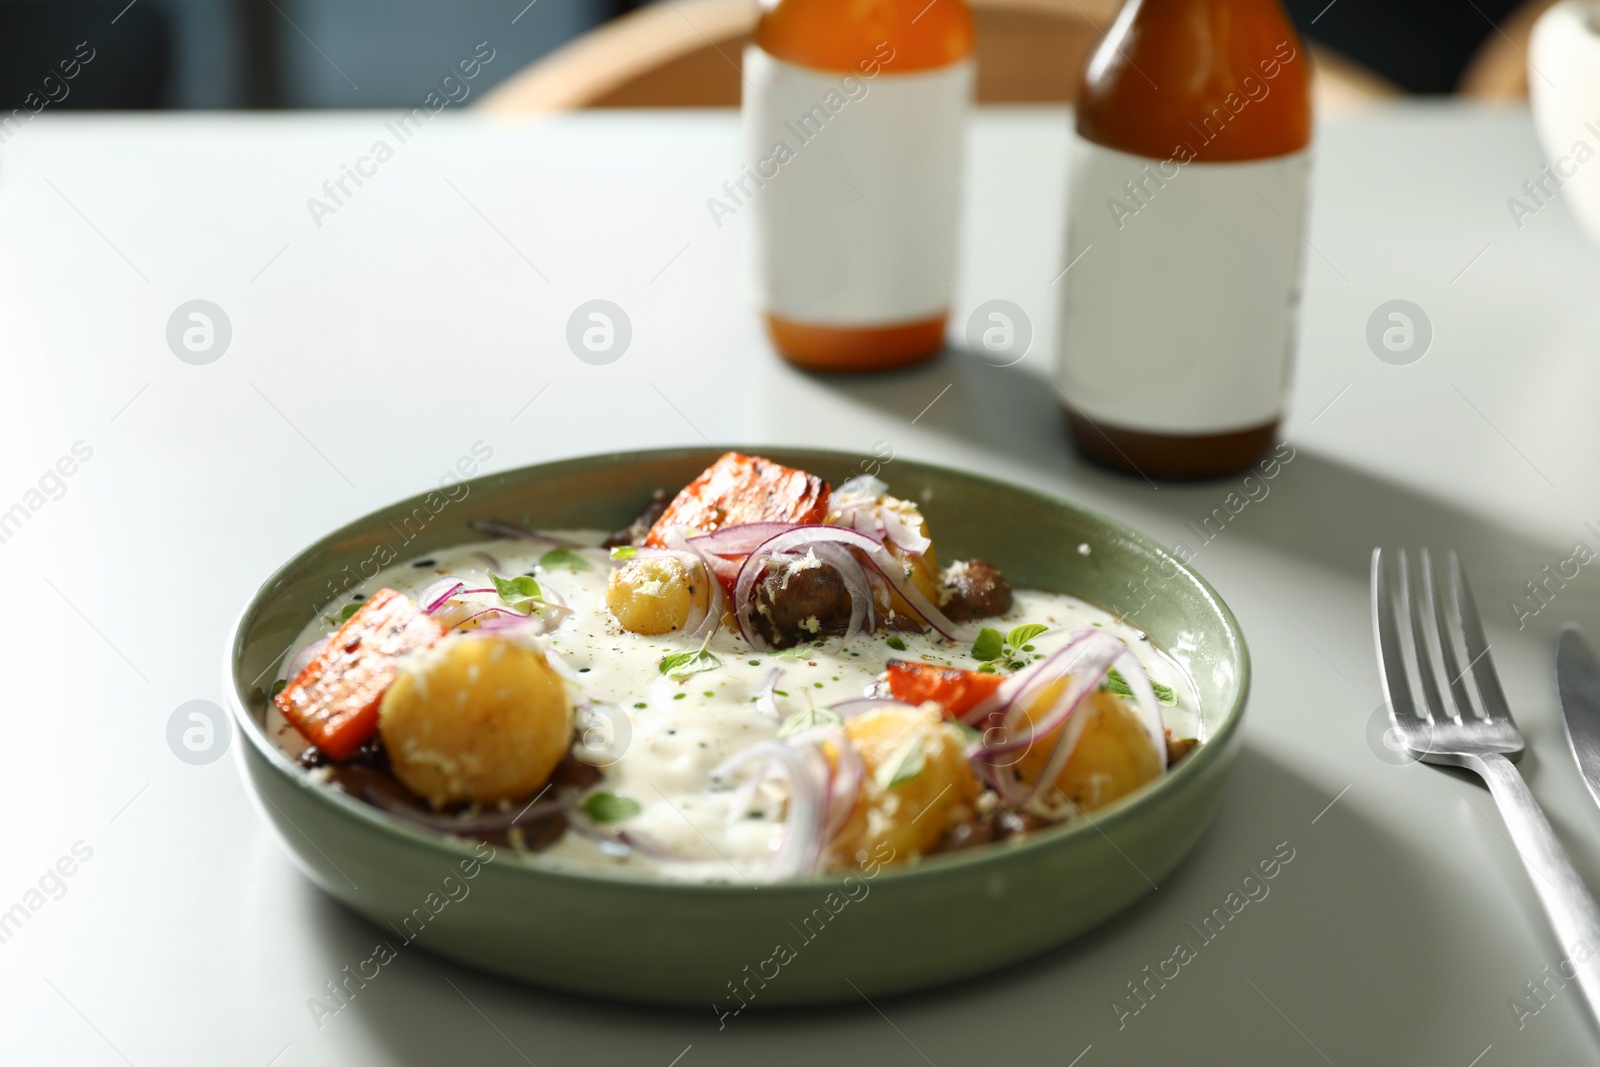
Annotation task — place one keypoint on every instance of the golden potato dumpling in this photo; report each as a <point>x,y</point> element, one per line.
<point>1113,756</point>
<point>475,718</point>
<point>656,594</point>
<point>911,816</point>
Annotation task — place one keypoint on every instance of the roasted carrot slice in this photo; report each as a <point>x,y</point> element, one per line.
<point>737,489</point>
<point>957,691</point>
<point>333,701</point>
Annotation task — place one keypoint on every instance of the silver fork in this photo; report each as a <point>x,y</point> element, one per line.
<point>1482,737</point>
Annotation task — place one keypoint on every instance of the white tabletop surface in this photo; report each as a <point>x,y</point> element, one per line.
<point>429,313</point>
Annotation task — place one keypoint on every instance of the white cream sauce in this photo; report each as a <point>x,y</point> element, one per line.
<point>677,730</point>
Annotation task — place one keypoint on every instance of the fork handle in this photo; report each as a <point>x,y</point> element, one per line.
<point>1567,901</point>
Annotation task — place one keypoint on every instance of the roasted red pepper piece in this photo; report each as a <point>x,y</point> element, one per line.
<point>957,691</point>
<point>333,701</point>
<point>738,489</point>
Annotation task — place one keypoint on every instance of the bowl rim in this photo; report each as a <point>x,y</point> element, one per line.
<point>1119,812</point>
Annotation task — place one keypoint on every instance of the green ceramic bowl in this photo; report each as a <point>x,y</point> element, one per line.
<point>824,939</point>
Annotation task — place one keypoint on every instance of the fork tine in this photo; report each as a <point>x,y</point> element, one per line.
<point>1445,634</point>
<point>1484,676</point>
<point>1391,660</point>
<point>1416,615</point>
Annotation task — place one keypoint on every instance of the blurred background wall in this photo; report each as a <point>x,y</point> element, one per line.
<point>389,53</point>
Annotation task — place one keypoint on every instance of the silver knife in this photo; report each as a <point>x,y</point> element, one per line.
<point>1578,682</point>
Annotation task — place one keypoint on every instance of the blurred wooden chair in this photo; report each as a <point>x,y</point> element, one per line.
<point>686,53</point>
<point>1499,69</point>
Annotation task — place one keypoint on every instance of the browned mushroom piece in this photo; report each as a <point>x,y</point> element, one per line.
<point>800,602</point>
<point>973,589</point>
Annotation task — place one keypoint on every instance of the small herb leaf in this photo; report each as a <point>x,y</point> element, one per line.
<point>624,552</point>
<point>1021,635</point>
<point>1117,684</point>
<point>683,664</point>
<point>521,592</point>
<point>608,807</point>
<point>989,645</point>
<point>562,557</point>
<point>809,719</point>
<point>906,765</point>
<point>895,642</point>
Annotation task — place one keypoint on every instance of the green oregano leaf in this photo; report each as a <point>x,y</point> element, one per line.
<point>989,645</point>
<point>624,552</point>
<point>895,642</point>
<point>563,557</point>
<point>1117,684</point>
<point>906,765</point>
<point>608,807</point>
<point>1021,635</point>
<point>521,592</point>
<point>683,664</point>
<point>809,719</point>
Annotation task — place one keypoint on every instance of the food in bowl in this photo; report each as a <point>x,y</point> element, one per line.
<point>762,678</point>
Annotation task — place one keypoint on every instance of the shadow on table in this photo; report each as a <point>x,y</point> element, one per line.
<point>1324,512</point>
<point>1326,924</point>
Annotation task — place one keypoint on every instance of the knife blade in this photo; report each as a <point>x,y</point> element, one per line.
<point>1578,682</point>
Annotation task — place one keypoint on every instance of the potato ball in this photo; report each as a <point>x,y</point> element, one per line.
<point>656,594</point>
<point>475,718</point>
<point>1113,756</point>
<point>917,785</point>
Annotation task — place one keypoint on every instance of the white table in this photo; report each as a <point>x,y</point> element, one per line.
<point>429,312</point>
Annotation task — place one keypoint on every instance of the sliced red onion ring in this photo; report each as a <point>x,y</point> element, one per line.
<point>849,709</point>
<point>1002,698</point>
<point>803,825</point>
<point>619,842</point>
<point>845,788</point>
<point>439,593</point>
<point>1086,659</point>
<point>878,520</point>
<point>767,701</point>
<point>507,531</point>
<point>740,540</point>
<point>698,624</point>
<point>305,656</point>
<point>445,590</point>
<point>863,605</point>
<point>745,795</point>
<point>881,561</point>
<point>492,615</point>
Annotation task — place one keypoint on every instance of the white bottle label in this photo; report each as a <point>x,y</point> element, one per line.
<point>1179,309</point>
<point>853,185</point>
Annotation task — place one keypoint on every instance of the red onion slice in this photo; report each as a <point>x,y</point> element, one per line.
<point>877,557</point>
<point>1086,658</point>
<point>849,709</point>
<point>305,656</point>
<point>619,841</point>
<point>802,837</point>
<point>845,788</point>
<point>863,606</point>
<point>884,523</point>
<point>698,625</point>
<point>767,701</point>
<point>740,540</point>
<point>507,531</point>
<point>439,593</point>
